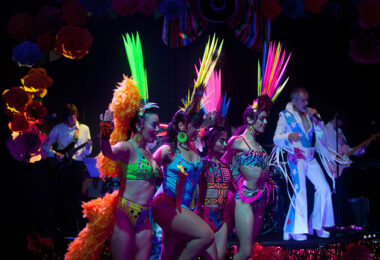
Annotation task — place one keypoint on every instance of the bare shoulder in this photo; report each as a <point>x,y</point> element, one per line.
<point>235,142</point>
<point>163,154</point>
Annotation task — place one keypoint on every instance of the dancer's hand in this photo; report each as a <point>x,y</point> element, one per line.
<point>107,116</point>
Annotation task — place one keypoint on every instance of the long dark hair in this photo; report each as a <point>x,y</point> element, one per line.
<point>196,118</point>
<point>210,134</point>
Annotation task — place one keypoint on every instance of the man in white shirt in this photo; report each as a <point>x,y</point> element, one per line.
<point>69,168</point>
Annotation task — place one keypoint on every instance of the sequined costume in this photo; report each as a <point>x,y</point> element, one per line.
<point>218,177</point>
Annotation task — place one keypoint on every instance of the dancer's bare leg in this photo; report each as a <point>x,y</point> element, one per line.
<point>244,222</point>
<point>143,241</point>
<point>122,239</point>
<point>187,226</point>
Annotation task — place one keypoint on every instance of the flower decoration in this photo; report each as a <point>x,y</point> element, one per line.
<point>16,99</point>
<point>369,11</point>
<point>26,54</point>
<point>21,26</point>
<point>172,9</point>
<point>46,42</point>
<point>73,13</point>
<point>97,7</point>
<point>314,6</point>
<point>36,79</point>
<point>49,19</point>
<point>293,8</point>
<point>270,8</point>
<point>19,123</point>
<point>35,112</point>
<point>365,48</point>
<point>147,7</point>
<point>73,42</point>
<point>125,7</point>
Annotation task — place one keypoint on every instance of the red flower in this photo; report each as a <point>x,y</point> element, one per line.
<point>21,26</point>
<point>73,42</point>
<point>73,13</point>
<point>16,99</point>
<point>270,8</point>
<point>314,6</point>
<point>35,112</point>
<point>369,13</point>
<point>365,48</point>
<point>147,7</point>
<point>37,79</point>
<point>125,7</point>
<point>46,42</point>
<point>49,19</point>
<point>19,123</point>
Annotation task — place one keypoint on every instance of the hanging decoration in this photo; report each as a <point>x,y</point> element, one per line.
<point>73,13</point>
<point>21,26</point>
<point>49,19</point>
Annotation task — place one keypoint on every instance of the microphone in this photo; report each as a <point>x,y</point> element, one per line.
<point>54,115</point>
<point>315,115</point>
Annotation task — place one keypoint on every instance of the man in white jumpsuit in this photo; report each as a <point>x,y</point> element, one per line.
<point>294,133</point>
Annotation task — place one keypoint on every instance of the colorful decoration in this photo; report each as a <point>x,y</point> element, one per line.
<point>26,54</point>
<point>125,7</point>
<point>209,60</point>
<point>15,100</point>
<point>365,48</point>
<point>269,75</point>
<point>369,11</point>
<point>97,7</point>
<point>73,13</point>
<point>21,26</point>
<point>46,42</point>
<point>49,19</point>
<point>37,79</point>
<point>314,6</point>
<point>270,8</point>
<point>73,42</point>
<point>136,63</point>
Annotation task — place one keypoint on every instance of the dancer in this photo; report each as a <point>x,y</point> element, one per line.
<point>185,234</point>
<point>250,162</point>
<point>124,215</point>
<point>216,180</point>
<point>296,126</point>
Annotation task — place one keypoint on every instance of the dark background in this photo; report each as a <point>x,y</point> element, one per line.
<point>320,63</point>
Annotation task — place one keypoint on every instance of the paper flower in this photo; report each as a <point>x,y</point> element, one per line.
<point>369,13</point>
<point>147,7</point>
<point>73,42</point>
<point>97,7</point>
<point>35,112</point>
<point>73,13</point>
<point>49,19</point>
<point>21,26</point>
<point>46,42</point>
<point>26,54</point>
<point>36,79</point>
<point>19,123</point>
<point>172,9</point>
<point>314,6</point>
<point>270,8</point>
<point>365,48</point>
<point>16,99</point>
<point>125,7</point>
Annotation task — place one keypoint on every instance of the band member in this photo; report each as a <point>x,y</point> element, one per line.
<point>296,127</point>
<point>73,143</point>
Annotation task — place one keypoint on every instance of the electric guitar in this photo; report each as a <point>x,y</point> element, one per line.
<point>343,158</point>
<point>68,153</point>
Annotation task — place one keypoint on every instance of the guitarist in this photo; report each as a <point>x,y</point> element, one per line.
<point>344,151</point>
<point>70,175</point>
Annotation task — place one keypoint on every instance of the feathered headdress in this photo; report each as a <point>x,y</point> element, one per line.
<point>214,106</point>
<point>210,57</point>
<point>269,76</point>
<point>130,97</point>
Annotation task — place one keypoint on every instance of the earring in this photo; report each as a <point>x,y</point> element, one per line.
<point>182,137</point>
<point>252,130</point>
<point>138,138</point>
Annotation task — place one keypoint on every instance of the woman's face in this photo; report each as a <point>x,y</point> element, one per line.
<point>192,132</point>
<point>150,128</point>
<point>261,122</point>
<point>220,143</point>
